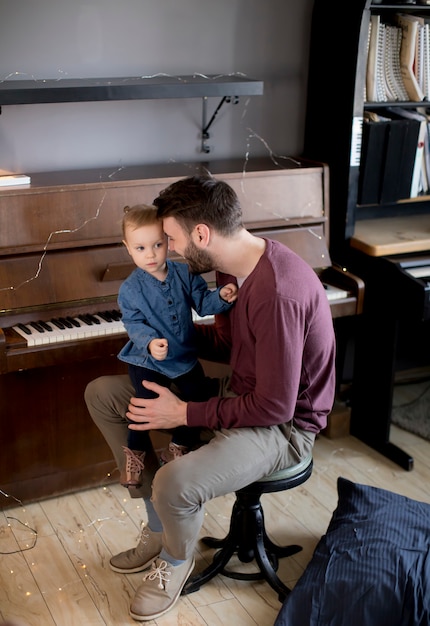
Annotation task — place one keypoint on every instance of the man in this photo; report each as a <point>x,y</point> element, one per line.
<point>279,341</point>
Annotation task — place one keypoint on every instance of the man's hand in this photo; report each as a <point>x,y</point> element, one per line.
<point>166,411</point>
<point>158,349</point>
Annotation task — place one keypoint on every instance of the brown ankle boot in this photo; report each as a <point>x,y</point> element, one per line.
<point>174,451</point>
<point>130,475</point>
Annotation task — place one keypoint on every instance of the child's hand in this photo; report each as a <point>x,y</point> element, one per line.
<point>229,292</point>
<point>158,349</point>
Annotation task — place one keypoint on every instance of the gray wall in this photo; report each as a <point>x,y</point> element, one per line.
<point>264,39</point>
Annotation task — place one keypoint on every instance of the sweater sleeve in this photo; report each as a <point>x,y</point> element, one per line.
<point>282,370</point>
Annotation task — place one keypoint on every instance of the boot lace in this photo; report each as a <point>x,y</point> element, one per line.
<point>159,572</point>
<point>134,463</point>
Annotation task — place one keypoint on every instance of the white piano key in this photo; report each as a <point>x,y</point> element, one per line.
<point>419,271</point>
<point>58,335</point>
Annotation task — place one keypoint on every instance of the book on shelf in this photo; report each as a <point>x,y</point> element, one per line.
<point>384,79</point>
<point>7,180</point>
<point>372,58</point>
<point>408,52</point>
<point>422,58</point>
<point>394,84</point>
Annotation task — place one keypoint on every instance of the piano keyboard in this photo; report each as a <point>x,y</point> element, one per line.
<point>104,323</point>
<point>63,329</point>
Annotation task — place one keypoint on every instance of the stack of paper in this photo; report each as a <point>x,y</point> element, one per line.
<point>14,179</point>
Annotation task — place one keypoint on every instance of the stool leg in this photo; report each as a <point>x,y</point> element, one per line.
<point>264,548</point>
<point>228,546</point>
<point>247,537</point>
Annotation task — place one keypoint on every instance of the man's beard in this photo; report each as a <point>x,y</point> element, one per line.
<point>199,261</point>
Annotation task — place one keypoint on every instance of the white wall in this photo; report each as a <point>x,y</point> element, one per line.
<point>264,39</point>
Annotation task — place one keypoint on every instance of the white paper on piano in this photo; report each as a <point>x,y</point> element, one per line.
<point>335,293</point>
<point>14,179</point>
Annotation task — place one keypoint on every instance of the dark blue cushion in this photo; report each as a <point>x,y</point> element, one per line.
<point>371,568</point>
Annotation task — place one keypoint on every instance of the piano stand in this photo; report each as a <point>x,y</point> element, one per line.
<point>372,391</point>
<point>397,455</point>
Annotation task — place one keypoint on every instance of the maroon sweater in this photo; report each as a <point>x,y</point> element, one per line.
<point>280,340</point>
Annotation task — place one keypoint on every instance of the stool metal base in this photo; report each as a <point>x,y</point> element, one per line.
<point>247,537</point>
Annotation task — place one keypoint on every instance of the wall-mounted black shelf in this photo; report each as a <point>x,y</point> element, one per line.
<point>126,88</point>
<point>228,87</point>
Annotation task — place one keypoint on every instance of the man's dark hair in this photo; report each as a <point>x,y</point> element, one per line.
<point>201,200</point>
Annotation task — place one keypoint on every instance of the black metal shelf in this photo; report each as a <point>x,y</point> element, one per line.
<point>228,87</point>
<point>126,88</point>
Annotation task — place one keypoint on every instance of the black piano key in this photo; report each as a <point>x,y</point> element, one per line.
<point>24,328</point>
<point>86,319</point>
<point>116,315</point>
<point>73,321</point>
<point>58,323</point>
<point>66,322</point>
<point>93,319</point>
<point>106,316</point>
<point>45,326</point>
<point>37,327</point>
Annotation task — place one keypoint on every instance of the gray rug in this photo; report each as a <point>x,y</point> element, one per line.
<point>411,408</point>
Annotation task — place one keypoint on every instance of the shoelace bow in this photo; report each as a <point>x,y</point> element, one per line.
<point>159,572</point>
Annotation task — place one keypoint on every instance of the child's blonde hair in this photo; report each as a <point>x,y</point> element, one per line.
<point>139,215</point>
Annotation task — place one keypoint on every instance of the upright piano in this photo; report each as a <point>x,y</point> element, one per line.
<point>62,262</point>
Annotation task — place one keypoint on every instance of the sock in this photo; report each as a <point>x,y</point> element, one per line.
<point>154,522</point>
<point>166,556</point>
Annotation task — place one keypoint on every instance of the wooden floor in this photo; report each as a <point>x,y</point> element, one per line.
<point>55,553</point>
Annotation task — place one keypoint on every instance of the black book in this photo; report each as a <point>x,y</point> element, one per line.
<point>395,156</point>
<point>373,149</point>
<point>407,164</point>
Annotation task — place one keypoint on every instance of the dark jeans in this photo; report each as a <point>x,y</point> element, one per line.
<point>193,385</point>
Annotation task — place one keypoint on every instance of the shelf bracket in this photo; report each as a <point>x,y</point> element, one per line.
<point>206,125</point>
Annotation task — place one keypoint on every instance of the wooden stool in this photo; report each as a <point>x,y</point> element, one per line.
<point>247,535</point>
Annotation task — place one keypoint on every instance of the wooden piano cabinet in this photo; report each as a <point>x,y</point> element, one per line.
<point>70,261</point>
<point>50,445</point>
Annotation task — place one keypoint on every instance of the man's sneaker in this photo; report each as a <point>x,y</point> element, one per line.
<point>160,589</point>
<point>139,558</point>
<point>130,476</point>
<point>174,451</point>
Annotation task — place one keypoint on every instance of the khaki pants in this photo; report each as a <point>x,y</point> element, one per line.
<point>230,460</point>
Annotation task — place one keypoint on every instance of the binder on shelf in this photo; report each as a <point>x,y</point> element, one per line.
<point>418,145</point>
<point>413,159</point>
<point>372,159</point>
<point>394,155</point>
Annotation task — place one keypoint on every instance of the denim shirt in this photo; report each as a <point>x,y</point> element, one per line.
<point>152,308</point>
